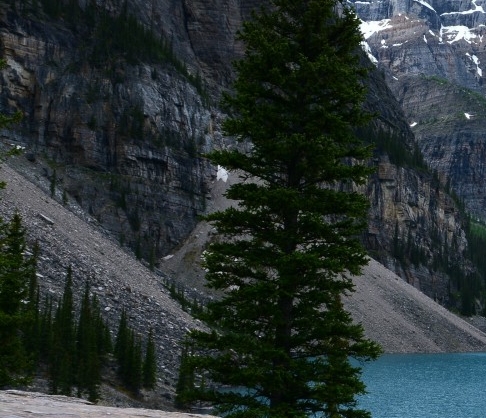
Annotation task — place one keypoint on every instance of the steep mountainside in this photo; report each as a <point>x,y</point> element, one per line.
<point>432,54</point>
<point>393,313</point>
<point>68,237</point>
<point>120,101</point>
<point>121,138</point>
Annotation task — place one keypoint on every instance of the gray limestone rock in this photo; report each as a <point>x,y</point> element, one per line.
<point>433,55</point>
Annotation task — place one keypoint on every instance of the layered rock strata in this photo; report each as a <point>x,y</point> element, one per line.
<point>432,54</point>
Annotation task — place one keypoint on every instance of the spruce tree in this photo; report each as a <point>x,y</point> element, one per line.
<point>63,349</point>
<point>287,251</point>
<point>150,363</point>
<point>16,272</point>
<point>87,351</point>
<point>103,336</point>
<point>121,341</point>
<point>185,381</point>
<point>134,376</point>
<point>46,331</point>
<point>31,311</point>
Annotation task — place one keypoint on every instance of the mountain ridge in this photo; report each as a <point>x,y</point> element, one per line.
<point>432,55</point>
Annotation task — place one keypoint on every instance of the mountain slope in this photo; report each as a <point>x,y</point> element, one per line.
<point>121,123</point>
<point>116,277</point>
<point>404,320</point>
<point>394,313</point>
<point>122,137</point>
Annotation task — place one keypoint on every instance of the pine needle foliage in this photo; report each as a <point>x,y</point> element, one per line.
<point>135,369</point>
<point>88,367</point>
<point>287,249</point>
<point>185,381</point>
<point>150,363</point>
<point>63,350</point>
<point>74,350</point>
<point>16,274</point>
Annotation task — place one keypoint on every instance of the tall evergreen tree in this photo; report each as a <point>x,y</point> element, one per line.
<point>121,341</point>
<point>62,355</point>
<point>103,336</point>
<point>128,352</point>
<point>134,371</point>
<point>87,351</point>
<point>45,331</point>
<point>185,381</point>
<point>287,252</point>
<point>150,363</point>
<point>31,311</point>
<point>16,272</point>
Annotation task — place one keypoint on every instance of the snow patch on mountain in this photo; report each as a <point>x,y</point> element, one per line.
<point>367,49</point>
<point>222,174</point>
<point>476,62</point>
<point>370,28</point>
<point>455,33</point>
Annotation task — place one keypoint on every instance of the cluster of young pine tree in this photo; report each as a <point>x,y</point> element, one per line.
<point>70,349</point>
<point>134,371</point>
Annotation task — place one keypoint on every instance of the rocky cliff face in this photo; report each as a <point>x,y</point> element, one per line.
<point>122,134</point>
<point>123,141</point>
<point>432,54</point>
<point>412,219</point>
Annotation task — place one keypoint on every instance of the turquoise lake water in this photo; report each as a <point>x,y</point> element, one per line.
<point>426,386</point>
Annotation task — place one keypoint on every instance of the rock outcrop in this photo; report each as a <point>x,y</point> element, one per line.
<point>124,142</point>
<point>432,54</point>
<point>412,219</point>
